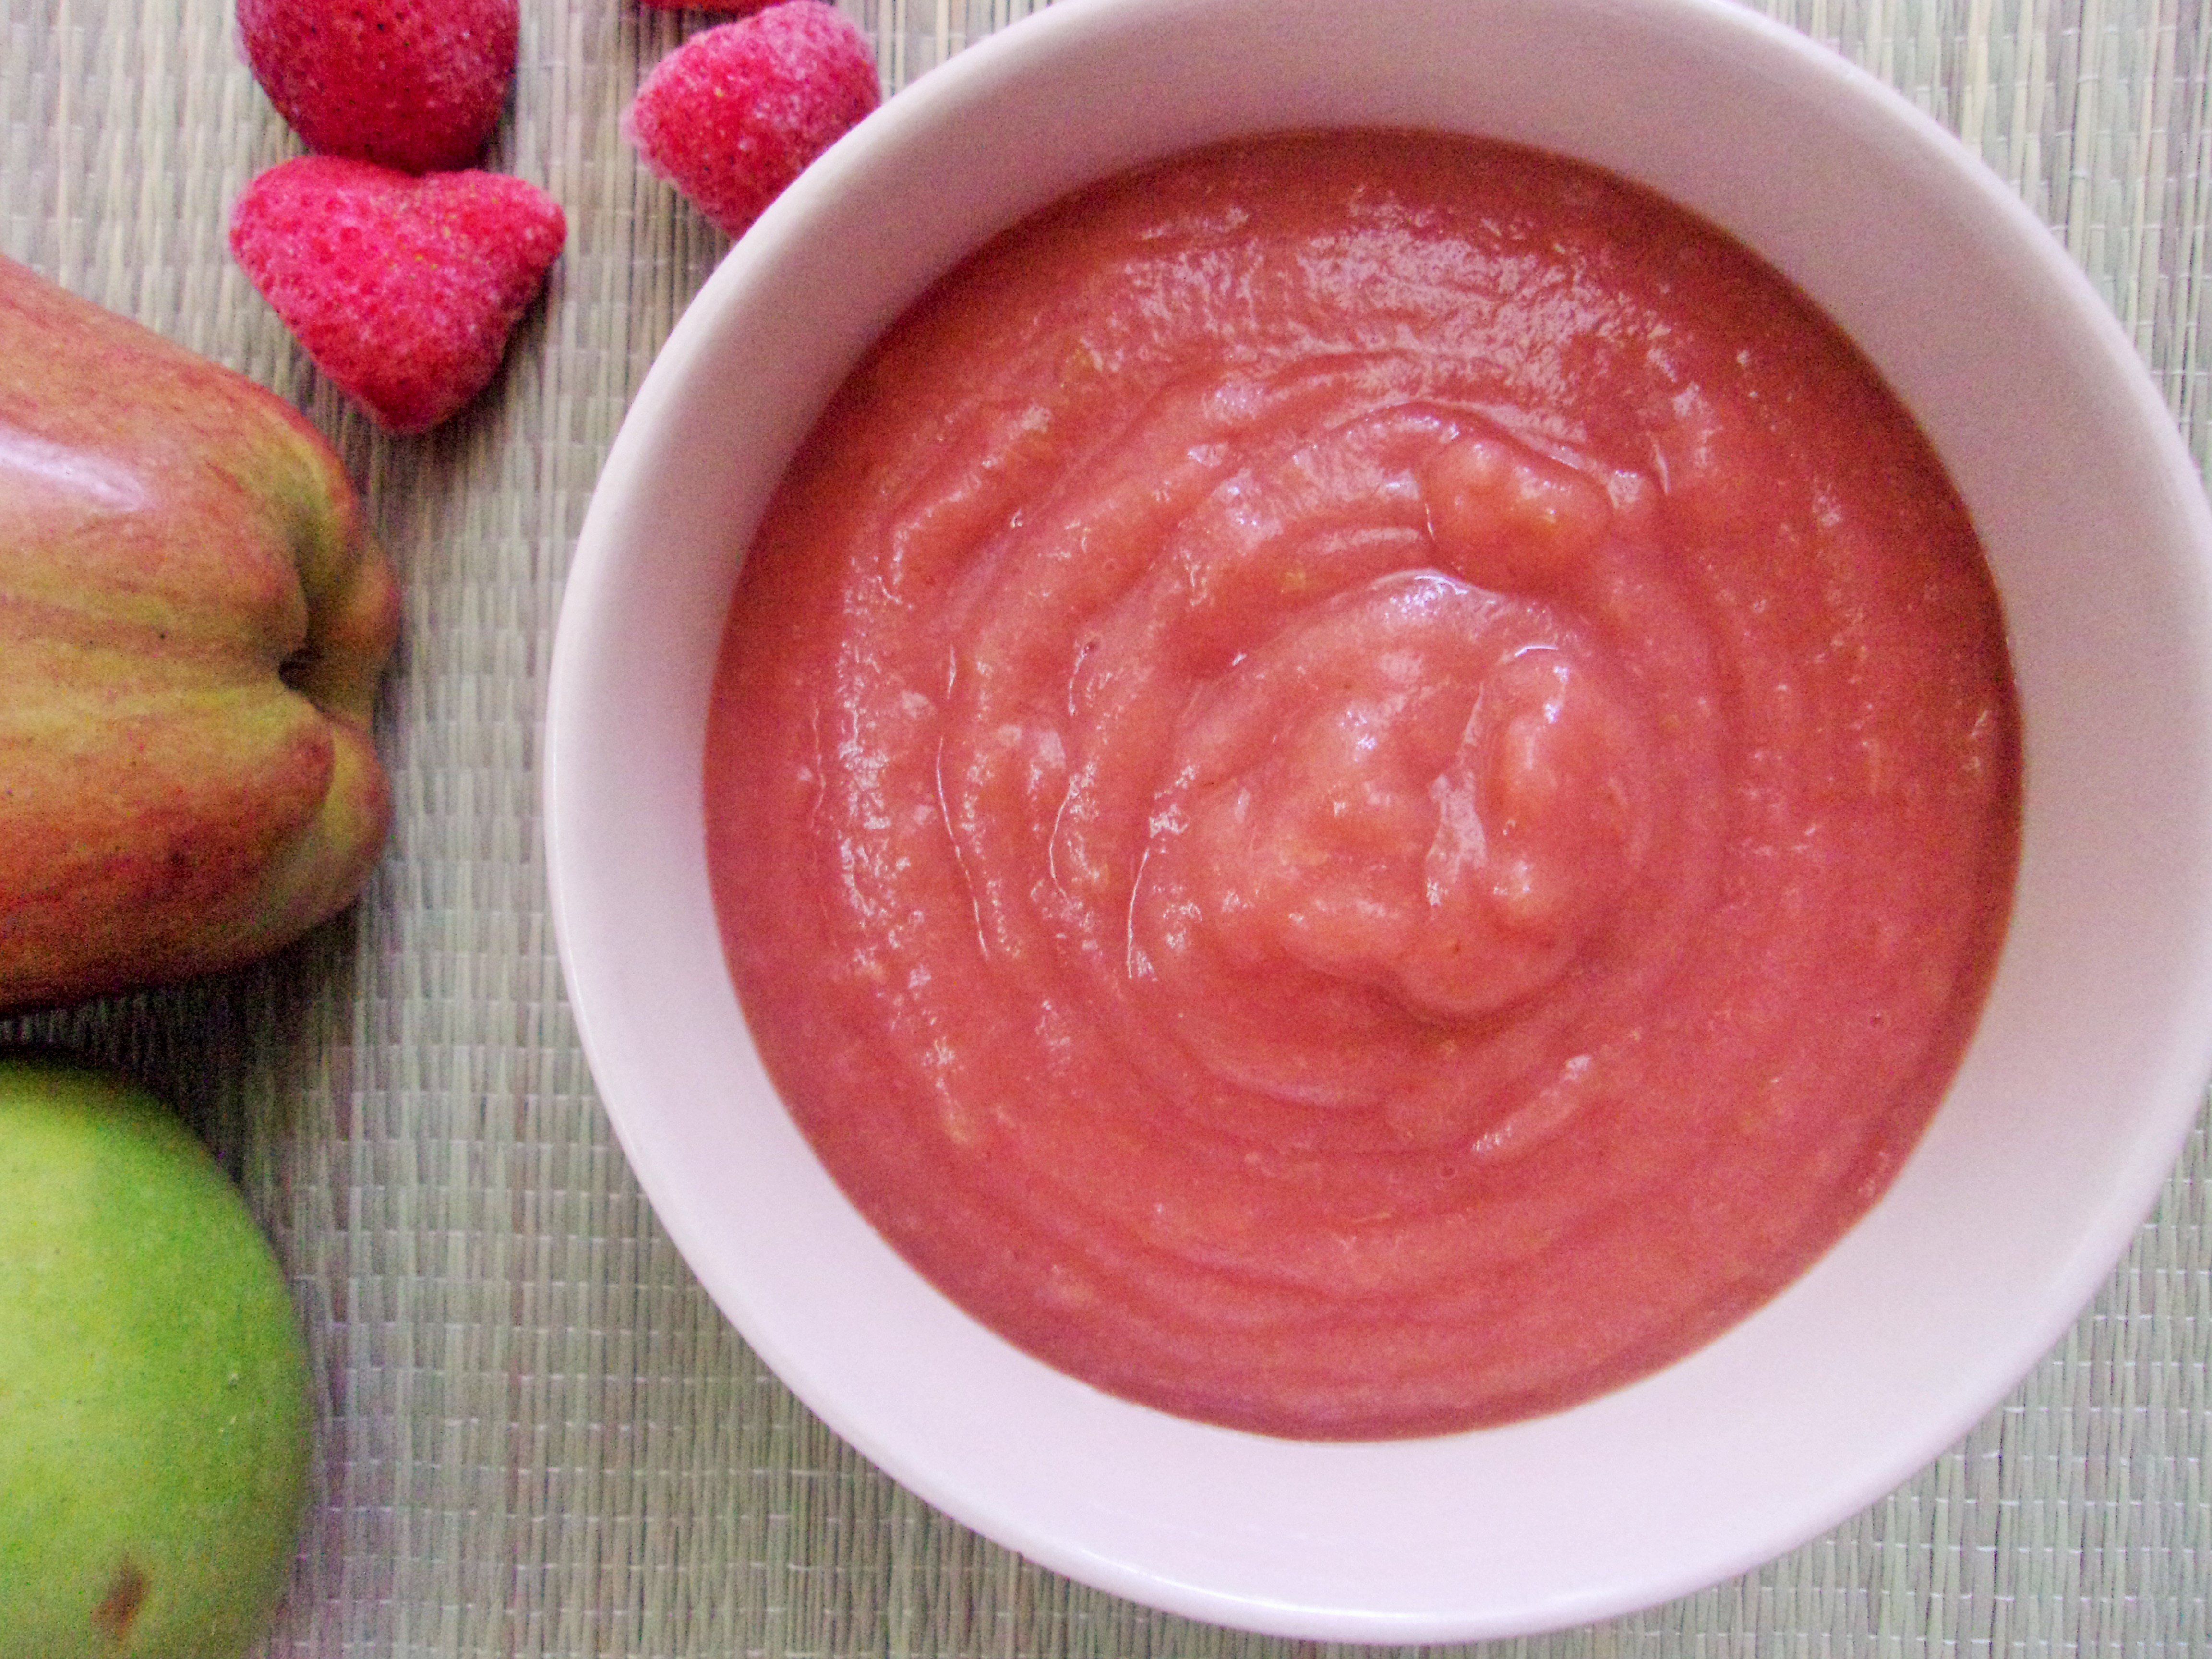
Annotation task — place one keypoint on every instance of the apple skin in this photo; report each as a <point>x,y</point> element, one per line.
<point>156,1412</point>
<point>193,618</point>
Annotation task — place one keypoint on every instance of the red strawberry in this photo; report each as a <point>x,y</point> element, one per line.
<point>414,84</point>
<point>736,113</point>
<point>403,291</point>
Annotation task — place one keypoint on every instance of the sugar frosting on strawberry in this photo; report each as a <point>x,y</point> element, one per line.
<point>735,114</point>
<point>413,84</point>
<point>403,291</point>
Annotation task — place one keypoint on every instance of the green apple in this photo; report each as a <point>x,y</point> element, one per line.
<point>154,1423</point>
<point>193,618</point>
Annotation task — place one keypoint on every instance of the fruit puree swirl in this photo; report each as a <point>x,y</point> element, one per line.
<point>1362,785</point>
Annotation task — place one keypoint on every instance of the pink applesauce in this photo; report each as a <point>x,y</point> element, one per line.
<point>1363,784</point>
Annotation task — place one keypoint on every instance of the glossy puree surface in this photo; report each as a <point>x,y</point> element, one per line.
<point>1362,785</point>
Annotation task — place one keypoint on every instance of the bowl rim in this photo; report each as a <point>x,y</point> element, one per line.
<point>948,94</point>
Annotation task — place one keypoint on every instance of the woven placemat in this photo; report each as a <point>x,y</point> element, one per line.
<point>537,1436</point>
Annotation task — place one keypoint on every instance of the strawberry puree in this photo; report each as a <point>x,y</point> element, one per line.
<point>1362,785</point>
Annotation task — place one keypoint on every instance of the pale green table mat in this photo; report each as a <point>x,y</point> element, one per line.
<point>538,1437</point>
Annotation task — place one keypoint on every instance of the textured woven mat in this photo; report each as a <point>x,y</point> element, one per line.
<point>537,1436</point>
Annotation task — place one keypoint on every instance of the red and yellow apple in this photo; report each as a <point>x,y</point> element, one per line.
<point>193,617</point>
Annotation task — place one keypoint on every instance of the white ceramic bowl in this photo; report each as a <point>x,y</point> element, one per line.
<point>2073,1101</point>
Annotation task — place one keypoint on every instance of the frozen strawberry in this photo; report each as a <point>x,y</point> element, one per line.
<point>413,84</point>
<point>404,290</point>
<point>737,112</point>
